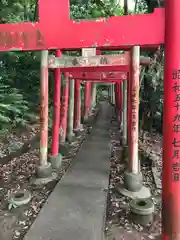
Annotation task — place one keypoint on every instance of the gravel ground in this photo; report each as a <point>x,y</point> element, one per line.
<point>118,224</point>
<point>16,174</point>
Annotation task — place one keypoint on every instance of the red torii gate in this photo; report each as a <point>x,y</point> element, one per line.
<point>56,31</point>
<point>95,77</point>
<point>118,62</point>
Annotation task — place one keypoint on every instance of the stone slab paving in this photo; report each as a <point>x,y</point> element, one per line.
<point>76,208</point>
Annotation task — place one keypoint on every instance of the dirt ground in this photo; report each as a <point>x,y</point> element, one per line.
<point>16,174</point>
<point>118,224</point>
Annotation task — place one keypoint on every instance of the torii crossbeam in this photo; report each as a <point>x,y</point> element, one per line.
<point>99,76</point>
<point>55,30</point>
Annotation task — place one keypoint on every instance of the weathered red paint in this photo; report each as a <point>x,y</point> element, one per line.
<point>65,107</point>
<point>171,137</point>
<point>94,33</point>
<point>115,68</point>
<point>101,76</point>
<point>104,81</point>
<point>129,107</point>
<point>134,106</point>
<point>93,61</point>
<point>77,105</point>
<point>44,109</point>
<point>57,107</point>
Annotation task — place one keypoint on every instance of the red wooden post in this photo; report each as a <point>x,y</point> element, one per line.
<point>44,109</point>
<point>77,106</point>
<point>56,118</point>
<point>44,169</point>
<point>100,76</point>
<point>171,130</point>
<point>133,186</point>
<point>134,106</point>
<point>65,107</point>
<point>129,108</point>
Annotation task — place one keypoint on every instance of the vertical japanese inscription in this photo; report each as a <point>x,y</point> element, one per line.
<point>176,126</point>
<point>134,111</point>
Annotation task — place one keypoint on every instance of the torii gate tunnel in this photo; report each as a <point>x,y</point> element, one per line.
<point>56,31</point>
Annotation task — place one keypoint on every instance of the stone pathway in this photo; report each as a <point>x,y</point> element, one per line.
<point>76,208</point>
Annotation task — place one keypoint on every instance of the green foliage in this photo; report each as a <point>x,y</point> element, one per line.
<point>19,79</point>
<point>95,10</point>
<point>16,11</point>
<point>20,71</point>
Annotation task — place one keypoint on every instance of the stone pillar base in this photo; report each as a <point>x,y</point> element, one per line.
<point>56,161</point>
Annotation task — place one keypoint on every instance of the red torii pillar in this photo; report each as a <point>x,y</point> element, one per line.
<point>44,89</point>
<point>133,185</point>
<point>64,109</point>
<point>55,157</point>
<point>171,124</point>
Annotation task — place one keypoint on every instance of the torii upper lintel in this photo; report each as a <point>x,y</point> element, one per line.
<point>56,31</point>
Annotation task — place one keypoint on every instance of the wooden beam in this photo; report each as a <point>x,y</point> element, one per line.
<point>94,61</point>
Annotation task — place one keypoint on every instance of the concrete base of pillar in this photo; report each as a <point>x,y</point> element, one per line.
<point>133,182</point>
<point>141,211</point>
<point>21,197</point>
<point>64,149</point>
<point>144,192</point>
<point>71,138</point>
<point>133,186</point>
<point>44,174</point>
<point>85,119</point>
<point>44,171</point>
<point>41,181</point>
<point>143,220</point>
<point>56,161</point>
